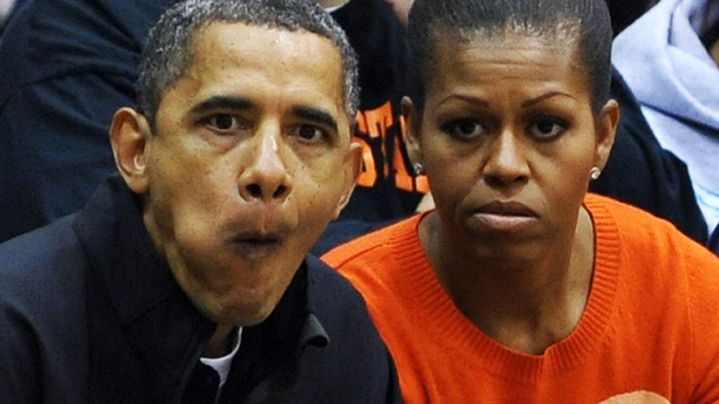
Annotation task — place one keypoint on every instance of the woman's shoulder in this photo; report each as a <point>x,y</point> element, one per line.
<point>387,241</point>
<point>634,225</point>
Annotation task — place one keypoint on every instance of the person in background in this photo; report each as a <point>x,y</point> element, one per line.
<point>624,13</point>
<point>186,278</point>
<point>520,286</point>
<point>69,64</point>
<point>714,242</point>
<point>666,60</point>
<point>6,8</point>
<point>388,189</point>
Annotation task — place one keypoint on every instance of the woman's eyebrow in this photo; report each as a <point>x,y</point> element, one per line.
<point>544,96</point>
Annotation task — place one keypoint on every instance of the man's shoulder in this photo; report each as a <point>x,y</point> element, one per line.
<point>352,340</point>
<point>339,306</point>
<point>42,270</point>
<point>329,290</point>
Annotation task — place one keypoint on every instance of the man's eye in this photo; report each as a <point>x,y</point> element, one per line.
<point>222,122</point>
<point>547,128</point>
<point>464,129</point>
<point>311,134</point>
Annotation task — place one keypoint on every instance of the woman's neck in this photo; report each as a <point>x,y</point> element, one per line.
<point>526,303</point>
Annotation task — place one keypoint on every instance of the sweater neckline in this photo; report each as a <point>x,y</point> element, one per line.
<point>443,318</point>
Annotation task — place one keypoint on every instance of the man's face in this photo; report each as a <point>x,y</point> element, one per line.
<point>249,161</point>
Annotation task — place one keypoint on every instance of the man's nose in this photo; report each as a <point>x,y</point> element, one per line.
<point>265,178</point>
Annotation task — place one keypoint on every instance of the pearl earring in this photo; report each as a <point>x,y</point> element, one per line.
<point>594,173</point>
<point>418,168</point>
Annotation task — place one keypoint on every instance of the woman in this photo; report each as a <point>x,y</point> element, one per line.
<point>520,286</point>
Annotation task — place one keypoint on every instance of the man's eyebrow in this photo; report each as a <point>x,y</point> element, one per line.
<point>222,102</point>
<point>317,115</point>
<point>543,97</point>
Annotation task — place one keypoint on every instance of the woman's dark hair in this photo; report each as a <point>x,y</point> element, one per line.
<point>587,21</point>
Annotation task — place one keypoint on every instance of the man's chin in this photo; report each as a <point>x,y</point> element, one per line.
<point>241,314</point>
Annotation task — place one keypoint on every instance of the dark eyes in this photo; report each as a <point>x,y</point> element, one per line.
<point>547,128</point>
<point>226,124</point>
<point>222,123</point>
<point>464,129</point>
<point>311,134</point>
<point>540,128</point>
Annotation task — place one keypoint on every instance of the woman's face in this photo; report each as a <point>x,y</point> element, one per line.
<point>507,137</point>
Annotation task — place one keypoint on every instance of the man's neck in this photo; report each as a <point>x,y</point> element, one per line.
<point>221,342</point>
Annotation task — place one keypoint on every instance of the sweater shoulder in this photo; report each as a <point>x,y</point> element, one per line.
<point>639,231</point>
<point>372,246</point>
<point>681,279</point>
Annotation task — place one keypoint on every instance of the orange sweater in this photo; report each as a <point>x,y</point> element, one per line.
<point>650,329</point>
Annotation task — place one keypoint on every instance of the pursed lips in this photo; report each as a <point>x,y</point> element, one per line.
<point>255,245</point>
<point>259,231</point>
<point>507,209</point>
<point>505,216</point>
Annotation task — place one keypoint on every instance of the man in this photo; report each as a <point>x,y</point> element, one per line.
<point>186,279</point>
<point>55,148</point>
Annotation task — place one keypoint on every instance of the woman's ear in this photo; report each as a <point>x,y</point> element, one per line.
<point>129,135</point>
<point>606,130</point>
<point>412,127</point>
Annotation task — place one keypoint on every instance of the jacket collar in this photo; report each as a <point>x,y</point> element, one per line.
<point>161,323</point>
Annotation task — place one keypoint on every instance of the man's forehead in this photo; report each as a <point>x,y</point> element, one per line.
<point>222,44</point>
<point>227,51</point>
<point>263,67</point>
<point>244,34</point>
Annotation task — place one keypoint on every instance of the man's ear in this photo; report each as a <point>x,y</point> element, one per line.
<point>412,125</point>
<point>606,131</point>
<point>129,136</point>
<point>352,172</point>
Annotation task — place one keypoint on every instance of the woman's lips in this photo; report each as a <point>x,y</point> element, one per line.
<point>504,216</point>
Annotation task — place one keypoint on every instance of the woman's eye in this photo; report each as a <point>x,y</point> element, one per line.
<point>547,128</point>
<point>464,129</point>
<point>223,122</point>
<point>311,134</point>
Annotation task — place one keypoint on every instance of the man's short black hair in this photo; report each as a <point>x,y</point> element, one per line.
<point>168,51</point>
<point>585,21</point>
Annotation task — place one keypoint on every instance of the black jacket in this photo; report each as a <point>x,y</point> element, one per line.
<point>89,312</point>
